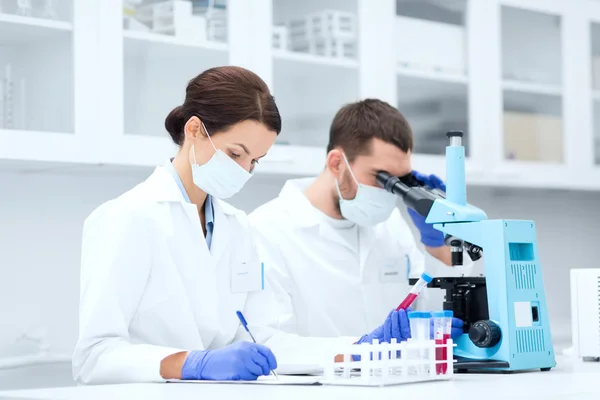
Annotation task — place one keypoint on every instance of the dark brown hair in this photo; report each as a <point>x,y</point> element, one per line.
<point>222,97</point>
<point>356,124</point>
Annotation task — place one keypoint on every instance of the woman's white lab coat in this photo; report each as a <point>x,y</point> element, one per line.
<point>150,287</point>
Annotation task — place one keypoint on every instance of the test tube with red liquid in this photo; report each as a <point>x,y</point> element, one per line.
<point>414,291</point>
<point>439,328</point>
<point>448,315</point>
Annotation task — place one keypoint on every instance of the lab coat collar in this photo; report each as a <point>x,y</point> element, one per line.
<point>306,215</point>
<point>161,187</point>
<point>302,211</point>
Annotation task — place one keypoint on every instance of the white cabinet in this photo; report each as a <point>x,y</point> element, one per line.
<point>595,65</point>
<point>89,83</point>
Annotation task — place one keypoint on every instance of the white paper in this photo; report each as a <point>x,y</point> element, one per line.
<point>266,380</point>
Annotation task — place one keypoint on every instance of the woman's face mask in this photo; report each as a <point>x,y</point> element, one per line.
<point>220,177</point>
<point>370,206</point>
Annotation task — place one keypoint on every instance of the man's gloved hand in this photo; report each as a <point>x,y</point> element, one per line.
<point>457,328</point>
<point>430,236</point>
<point>239,361</point>
<point>395,326</point>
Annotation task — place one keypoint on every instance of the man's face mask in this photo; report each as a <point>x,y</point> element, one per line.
<point>370,206</point>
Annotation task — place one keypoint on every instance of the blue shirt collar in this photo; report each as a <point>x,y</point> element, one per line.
<point>209,213</point>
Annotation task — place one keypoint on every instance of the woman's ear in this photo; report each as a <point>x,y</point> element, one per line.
<point>193,129</point>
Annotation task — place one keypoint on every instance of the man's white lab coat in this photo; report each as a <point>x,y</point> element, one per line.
<point>332,280</point>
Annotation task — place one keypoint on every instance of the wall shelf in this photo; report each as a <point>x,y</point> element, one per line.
<point>136,38</point>
<point>18,29</point>
<point>436,76</point>
<point>284,56</point>
<point>532,88</point>
<point>139,43</point>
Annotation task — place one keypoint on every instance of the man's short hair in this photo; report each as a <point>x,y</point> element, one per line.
<point>356,124</point>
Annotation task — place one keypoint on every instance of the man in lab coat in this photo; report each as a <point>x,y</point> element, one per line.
<point>335,248</point>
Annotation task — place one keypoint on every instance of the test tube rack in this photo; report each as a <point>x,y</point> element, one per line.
<point>385,364</point>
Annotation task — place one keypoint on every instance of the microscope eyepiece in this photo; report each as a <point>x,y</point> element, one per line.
<point>417,198</point>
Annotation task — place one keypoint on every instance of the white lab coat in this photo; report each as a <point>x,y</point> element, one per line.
<point>150,287</point>
<point>326,286</point>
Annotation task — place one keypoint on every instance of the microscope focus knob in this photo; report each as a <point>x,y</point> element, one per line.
<point>484,333</point>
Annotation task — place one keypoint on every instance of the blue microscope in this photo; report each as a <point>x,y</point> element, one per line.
<point>505,313</point>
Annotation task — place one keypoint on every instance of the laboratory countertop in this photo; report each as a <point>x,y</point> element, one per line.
<point>571,379</point>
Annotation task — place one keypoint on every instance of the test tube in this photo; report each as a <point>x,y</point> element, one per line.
<point>426,318</point>
<point>439,324</point>
<point>448,315</point>
<point>415,290</point>
<point>414,320</point>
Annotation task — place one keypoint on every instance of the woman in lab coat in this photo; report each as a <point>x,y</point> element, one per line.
<point>166,265</point>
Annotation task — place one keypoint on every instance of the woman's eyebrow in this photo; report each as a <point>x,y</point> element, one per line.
<point>243,147</point>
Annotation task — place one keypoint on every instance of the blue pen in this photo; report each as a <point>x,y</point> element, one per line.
<point>245,325</point>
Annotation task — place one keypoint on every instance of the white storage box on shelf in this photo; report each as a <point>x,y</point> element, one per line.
<point>585,312</point>
<point>383,364</point>
<point>173,18</point>
<point>326,33</point>
<point>217,24</point>
<point>202,6</point>
<point>280,37</point>
<point>324,24</point>
<point>430,46</point>
<point>338,48</point>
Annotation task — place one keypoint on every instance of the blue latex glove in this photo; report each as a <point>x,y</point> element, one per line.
<point>395,326</point>
<point>430,236</point>
<point>457,328</point>
<point>239,361</point>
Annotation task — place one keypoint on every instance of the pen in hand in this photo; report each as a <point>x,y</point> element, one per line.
<point>245,325</point>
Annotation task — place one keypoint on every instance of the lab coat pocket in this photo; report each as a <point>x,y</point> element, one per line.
<point>247,276</point>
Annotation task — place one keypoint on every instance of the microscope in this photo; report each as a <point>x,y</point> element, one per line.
<point>505,314</point>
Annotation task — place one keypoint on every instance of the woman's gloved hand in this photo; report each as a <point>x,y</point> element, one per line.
<point>239,361</point>
<point>430,236</point>
<point>395,326</point>
<point>457,328</point>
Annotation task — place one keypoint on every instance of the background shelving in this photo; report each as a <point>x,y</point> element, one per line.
<point>595,42</point>
<point>36,69</point>
<point>432,79</point>
<point>310,88</point>
<point>532,80</point>
<point>159,61</point>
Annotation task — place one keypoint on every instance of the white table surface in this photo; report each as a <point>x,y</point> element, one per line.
<point>571,379</point>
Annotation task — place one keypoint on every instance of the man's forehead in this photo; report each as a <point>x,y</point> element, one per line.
<point>396,164</point>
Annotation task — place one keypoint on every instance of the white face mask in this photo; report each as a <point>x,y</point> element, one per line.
<point>370,206</point>
<point>220,177</point>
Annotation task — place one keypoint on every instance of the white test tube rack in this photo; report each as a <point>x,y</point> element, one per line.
<point>384,364</point>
